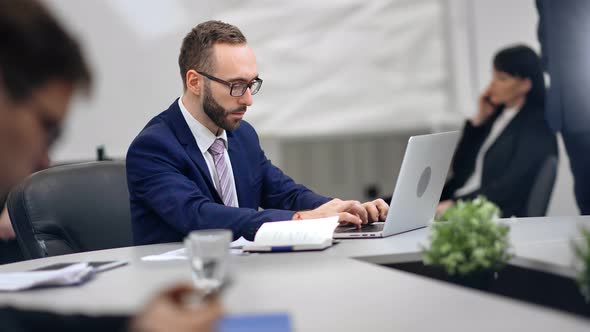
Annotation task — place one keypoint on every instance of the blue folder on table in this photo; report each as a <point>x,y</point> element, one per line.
<point>278,322</point>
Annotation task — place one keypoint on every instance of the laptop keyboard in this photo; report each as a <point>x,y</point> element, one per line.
<point>368,228</point>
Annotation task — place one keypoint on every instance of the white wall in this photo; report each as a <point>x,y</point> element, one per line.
<point>135,69</point>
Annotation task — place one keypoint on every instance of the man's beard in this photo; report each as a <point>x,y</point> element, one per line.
<point>218,114</point>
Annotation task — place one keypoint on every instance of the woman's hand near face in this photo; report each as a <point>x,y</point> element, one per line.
<point>486,109</point>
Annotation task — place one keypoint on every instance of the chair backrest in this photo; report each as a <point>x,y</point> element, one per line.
<point>542,188</point>
<point>72,208</point>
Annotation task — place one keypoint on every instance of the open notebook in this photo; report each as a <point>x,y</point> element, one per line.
<point>294,235</point>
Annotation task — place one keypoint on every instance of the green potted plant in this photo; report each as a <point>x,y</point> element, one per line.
<point>582,252</point>
<point>468,244</point>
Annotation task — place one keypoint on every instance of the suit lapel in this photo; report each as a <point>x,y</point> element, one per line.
<point>505,144</point>
<point>186,138</point>
<point>197,157</point>
<point>239,167</point>
<point>508,132</point>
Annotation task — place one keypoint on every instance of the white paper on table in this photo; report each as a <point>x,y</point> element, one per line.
<point>70,275</point>
<point>167,256</point>
<point>180,254</point>
<point>239,243</point>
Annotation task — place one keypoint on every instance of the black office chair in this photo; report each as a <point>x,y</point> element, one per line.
<point>72,208</point>
<point>542,188</point>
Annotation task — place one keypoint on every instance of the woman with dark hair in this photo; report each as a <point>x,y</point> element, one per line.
<point>504,146</point>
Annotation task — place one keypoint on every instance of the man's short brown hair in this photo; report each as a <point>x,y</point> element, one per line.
<point>196,51</point>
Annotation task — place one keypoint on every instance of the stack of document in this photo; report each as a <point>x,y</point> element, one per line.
<point>235,248</point>
<point>179,254</point>
<point>70,275</point>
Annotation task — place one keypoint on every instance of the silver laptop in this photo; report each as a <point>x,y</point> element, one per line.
<point>418,188</point>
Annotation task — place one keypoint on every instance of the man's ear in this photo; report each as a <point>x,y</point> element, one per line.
<point>194,82</point>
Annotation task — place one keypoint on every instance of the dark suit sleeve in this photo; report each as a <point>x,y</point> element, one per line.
<point>26,320</point>
<point>464,159</point>
<point>156,180</point>
<point>279,191</point>
<point>532,149</point>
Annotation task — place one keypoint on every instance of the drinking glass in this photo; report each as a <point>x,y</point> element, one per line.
<point>207,252</point>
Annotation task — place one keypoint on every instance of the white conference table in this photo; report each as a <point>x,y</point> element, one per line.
<point>338,289</point>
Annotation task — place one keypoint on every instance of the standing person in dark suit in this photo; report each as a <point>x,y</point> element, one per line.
<point>198,165</point>
<point>504,145</point>
<point>564,27</point>
<point>40,68</point>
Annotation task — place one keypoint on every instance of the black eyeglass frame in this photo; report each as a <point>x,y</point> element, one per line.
<point>233,86</point>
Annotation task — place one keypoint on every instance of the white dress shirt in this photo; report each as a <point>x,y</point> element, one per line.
<point>205,139</point>
<point>474,182</point>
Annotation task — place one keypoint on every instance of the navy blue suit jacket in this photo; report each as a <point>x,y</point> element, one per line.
<point>172,193</point>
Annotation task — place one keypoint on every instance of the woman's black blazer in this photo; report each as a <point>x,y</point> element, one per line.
<point>510,165</point>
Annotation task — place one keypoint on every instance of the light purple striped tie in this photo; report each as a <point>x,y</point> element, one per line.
<point>225,189</point>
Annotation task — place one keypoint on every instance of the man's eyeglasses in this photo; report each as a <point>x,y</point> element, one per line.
<point>237,89</point>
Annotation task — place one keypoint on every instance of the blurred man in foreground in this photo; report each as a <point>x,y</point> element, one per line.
<point>41,67</point>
